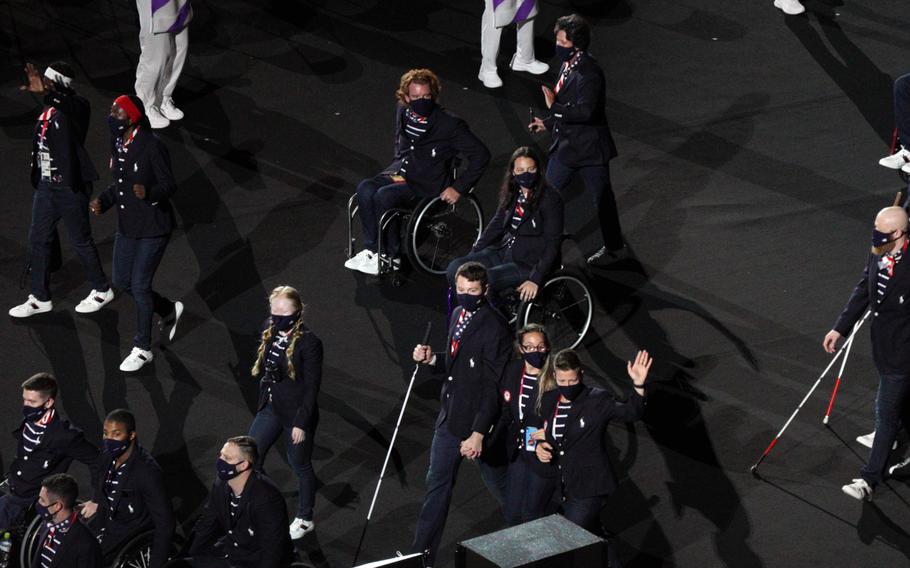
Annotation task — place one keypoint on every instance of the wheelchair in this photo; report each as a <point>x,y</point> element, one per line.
<point>436,233</point>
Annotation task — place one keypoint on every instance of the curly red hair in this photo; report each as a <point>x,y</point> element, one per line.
<point>421,77</point>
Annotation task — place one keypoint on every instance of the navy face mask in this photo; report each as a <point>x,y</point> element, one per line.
<point>226,471</point>
<point>470,302</point>
<point>564,53</point>
<point>422,107</point>
<point>284,323</point>
<point>879,238</point>
<point>527,179</point>
<point>571,391</point>
<point>118,126</point>
<point>114,447</point>
<point>32,413</point>
<point>42,511</point>
<point>536,359</point>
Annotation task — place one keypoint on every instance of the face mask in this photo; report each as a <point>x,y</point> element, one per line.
<point>536,359</point>
<point>114,447</point>
<point>470,302</point>
<point>31,413</point>
<point>284,323</point>
<point>879,238</point>
<point>226,471</point>
<point>571,391</point>
<point>564,53</point>
<point>423,107</point>
<point>42,511</point>
<point>527,179</point>
<point>118,126</point>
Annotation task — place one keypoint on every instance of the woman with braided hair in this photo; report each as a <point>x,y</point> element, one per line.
<point>289,367</point>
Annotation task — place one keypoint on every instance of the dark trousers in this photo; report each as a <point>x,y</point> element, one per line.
<point>502,272</point>
<point>528,493</point>
<point>585,511</point>
<point>597,182</point>
<point>135,263</point>
<point>902,108</point>
<point>375,196</point>
<point>49,206</point>
<point>12,507</point>
<point>266,429</point>
<point>890,409</point>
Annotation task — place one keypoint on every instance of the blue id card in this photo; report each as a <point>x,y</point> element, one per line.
<point>529,443</point>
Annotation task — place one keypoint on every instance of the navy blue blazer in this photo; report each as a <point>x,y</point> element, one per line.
<point>65,140</point>
<point>78,548</point>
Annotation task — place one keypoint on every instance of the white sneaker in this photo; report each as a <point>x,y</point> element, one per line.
<point>300,527</point>
<point>867,440</point>
<point>95,301</point>
<point>533,66</point>
<point>906,168</point>
<point>135,360</point>
<point>490,79</point>
<point>896,160</point>
<point>156,119</point>
<point>170,111</point>
<point>172,320</point>
<point>899,465</point>
<point>355,261</point>
<point>790,7</point>
<point>859,489</point>
<point>30,307</point>
<point>369,264</point>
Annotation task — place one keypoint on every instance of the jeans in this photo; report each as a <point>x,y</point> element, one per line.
<point>12,507</point>
<point>445,459</point>
<point>597,182</point>
<point>528,494</point>
<point>902,109</point>
<point>375,196</point>
<point>135,263</point>
<point>890,408</point>
<point>266,429</point>
<point>49,206</point>
<point>502,273</point>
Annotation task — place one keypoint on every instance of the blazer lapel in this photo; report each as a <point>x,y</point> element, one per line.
<point>900,271</point>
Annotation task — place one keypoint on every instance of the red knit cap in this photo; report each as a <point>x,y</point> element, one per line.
<point>132,105</point>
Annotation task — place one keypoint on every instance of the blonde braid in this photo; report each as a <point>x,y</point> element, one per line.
<point>290,350</point>
<point>260,353</point>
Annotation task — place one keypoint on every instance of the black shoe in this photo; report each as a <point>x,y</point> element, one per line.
<point>605,257</point>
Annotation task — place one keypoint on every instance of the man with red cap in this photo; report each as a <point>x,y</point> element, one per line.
<point>141,190</point>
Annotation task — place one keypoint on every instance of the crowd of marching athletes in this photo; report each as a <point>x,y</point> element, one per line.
<point>526,414</point>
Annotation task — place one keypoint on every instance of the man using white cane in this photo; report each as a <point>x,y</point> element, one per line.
<point>885,289</point>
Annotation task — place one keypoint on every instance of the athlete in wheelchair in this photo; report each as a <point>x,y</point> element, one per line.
<point>521,250</point>
<point>428,139</point>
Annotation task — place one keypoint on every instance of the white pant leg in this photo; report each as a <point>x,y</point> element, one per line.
<point>525,48</point>
<point>489,39</point>
<point>156,50</point>
<point>172,71</point>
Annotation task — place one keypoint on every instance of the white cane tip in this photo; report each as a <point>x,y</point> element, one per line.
<point>825,420</point>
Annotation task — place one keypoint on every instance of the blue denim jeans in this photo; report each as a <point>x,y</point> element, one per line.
<point>527,493</point>
<point>502,273</point>
<point>266,429</point>
<point>135,263</point>
<point>375,196</point>
<point>890,410</point>
<point>597,182</point>
<point>49,206</point>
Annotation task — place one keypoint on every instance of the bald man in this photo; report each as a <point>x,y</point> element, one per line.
<point>885,289</point>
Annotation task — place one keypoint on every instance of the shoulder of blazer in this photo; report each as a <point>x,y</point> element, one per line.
<point>261,485</point>
<point>445,120</point>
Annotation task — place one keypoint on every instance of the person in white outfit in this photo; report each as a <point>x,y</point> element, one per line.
<point>497,15</point>
<point>163,41</point>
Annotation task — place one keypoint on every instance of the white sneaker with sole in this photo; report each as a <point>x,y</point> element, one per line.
<point>867,440</point>
<point>899,466</point>
<point>490,79</point>
<point>31,307</point>
<point>859,489</point>
<point>790,7</point>
<point>355,261</point>
<point>172,321</point>
<point>170,111</point>
<point>896,160</point>
<point>533,66</point>
<point>300,527</point>
<point>156,119</point>
<point>369,265</point>
<point>135,360</point>
<point>95,301</point>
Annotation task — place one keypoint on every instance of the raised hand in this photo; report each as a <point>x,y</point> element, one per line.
<point>638,370</point>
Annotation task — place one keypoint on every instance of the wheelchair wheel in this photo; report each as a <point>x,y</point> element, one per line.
<point>438,233</point>
<point>564,307</point>
<point>29,545</point>
<point>137,552</point>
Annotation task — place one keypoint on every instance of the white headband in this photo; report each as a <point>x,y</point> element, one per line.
<point>58,77</point>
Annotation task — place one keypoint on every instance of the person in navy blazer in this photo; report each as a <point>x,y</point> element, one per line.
<point>63,541</point>
<point>883,288</point>
<point>521,244</point>
<point>582,143</point>
<point>476,352</point>
<point>575,422</point>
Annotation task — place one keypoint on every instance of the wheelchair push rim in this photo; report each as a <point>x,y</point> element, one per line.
<point>439,233</point>
<point>565,308</point>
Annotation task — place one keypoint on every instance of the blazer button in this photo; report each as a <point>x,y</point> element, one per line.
<point>230,532</point>
<point>450,378</point>
<point>562,453</point>
<point>122,207</point>
<point>25,458</point>
<point>19,473</point>
<point>875,314</point>
<point>120,180</point>
<point>121,193</point>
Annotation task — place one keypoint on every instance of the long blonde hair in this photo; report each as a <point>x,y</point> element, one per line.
<point>292,294</point>
<point>546,381</point>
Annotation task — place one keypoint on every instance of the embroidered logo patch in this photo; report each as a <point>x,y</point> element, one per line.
<point>507,396</point>
<point>582,422</point>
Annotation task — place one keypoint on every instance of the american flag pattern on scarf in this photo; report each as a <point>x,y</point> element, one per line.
<point>567,68</point>
<point>886,266</point>
<point>464,318</point>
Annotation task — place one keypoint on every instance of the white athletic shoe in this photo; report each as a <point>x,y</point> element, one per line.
<point>906,168</point>
<point>533,66</point>
<point>790,7</point>
<point>95,301</point>
<point>172,320</point>
<point>896,160</point>
<point>31,307</point>
<point>156,119</point>
<point>135,360</point>
<point>170,111</point>
<point>369,264</point>
<point>859,490</point>
<point>898,466</point>
<point>867,440</point>
<point>300,527</point>
<point>490,79</point>
<point>355,261</point>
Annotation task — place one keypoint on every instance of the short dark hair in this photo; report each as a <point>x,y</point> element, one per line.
<point>567,360</point>
<point>473,272</point>
<point>248,447</point>
<point>577,30</point>
<point>62,487</point>
<point>122,416</point>
<point>44,383</point>
<point>64,68</point>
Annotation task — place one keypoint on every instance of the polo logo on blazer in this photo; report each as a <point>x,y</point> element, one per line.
<point>581,422</point>
<point>433,153</point>
<point>533,223</point>
<point>130,507</point>
<point>251,531</point>
<point>507,396</point>
<point>136,167</point>
<point>471,362</point>
<point>900,300</point>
